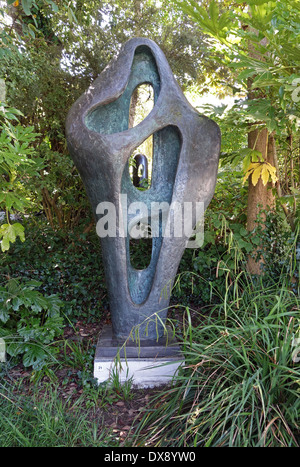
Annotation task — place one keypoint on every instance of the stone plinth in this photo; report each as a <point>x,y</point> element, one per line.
<point>149,363</point>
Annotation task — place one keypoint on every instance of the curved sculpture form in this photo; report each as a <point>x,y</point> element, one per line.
<point>186,149</point>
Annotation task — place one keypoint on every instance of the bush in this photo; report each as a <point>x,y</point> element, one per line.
<point>29,322</point>
<point>67,265</point>
<point>205,273</point>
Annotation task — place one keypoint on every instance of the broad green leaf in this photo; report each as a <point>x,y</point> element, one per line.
<point>9,233</point>
<point>27,4</point>
<point>40,303</point>
<point>32,30</point>
<point>14,347</point>
<point>4,315</point>
<point>243,231</point>
<point>264,80</point>
<point>225,20</point>
<point>34,355</point>
<point>19,231</point>
<point>54,305</point>
<point>4,244</point>
<point>9,200</point>
<point>16,303</point>
<point>71,15</point>
<point>13,286</point>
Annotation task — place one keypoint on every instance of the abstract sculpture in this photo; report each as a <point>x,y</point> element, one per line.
<point>185,160</point>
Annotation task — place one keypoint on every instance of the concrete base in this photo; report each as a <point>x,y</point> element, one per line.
<point>148,363</point>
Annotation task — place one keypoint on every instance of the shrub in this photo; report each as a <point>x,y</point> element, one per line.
<point>67,265</point>
<point>204,274</point>
<point>29,322</point>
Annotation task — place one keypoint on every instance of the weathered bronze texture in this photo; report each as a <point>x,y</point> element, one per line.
<point>186,149</point>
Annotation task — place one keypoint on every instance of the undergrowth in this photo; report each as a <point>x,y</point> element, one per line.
<point>240,383</point>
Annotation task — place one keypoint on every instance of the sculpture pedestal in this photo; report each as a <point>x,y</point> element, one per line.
<point>148,363</point>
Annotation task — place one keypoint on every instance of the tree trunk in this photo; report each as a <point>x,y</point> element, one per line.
<point>132,108</point>
<point>260,196</point>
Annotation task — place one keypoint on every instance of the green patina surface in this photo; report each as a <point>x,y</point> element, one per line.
<point>185,160</point>
<point>114,118</point>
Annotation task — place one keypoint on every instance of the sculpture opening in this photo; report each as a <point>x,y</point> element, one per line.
<point>141,103</point>
<point>140,253</point>
<point>140,165</point>
<point>140,176</point>
<point>135,103</point>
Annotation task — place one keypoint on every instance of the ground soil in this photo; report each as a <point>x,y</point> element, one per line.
<point>118,413</point>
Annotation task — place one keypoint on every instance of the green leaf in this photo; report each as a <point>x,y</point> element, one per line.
<point>225,20</point>
<point>13,287</point>
<point>28,332</point>
<point>31,29</point>
<point>243,231</point>
<point>253,2</point>
<point>15,348</point>
<point>214,12</point>
<point>263,80</point>
<point>34,355</point>
<point>40,303</point>
<point>256,156</point>
<point>9,233</point>
<point>33,283</point>
<point>19,231</point>
<point>9,200</point>
<point>53,5</point>
<point>4,244</point>
<point>4,315</point>
<point>16,303</point>
<point>71,15</point>
<point>27,4</point>
<point>54,305</point>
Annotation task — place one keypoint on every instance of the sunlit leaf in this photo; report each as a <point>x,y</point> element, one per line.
<point>265,175</point>
<point>256,175</point>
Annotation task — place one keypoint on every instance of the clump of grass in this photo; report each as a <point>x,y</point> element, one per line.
<point>48,421</point>
<point>240,384</point>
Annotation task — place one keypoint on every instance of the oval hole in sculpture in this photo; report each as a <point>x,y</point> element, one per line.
<point>141,104</point>
<point>140,251</point>
<point>140,165</point>
<point>113,117</point>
